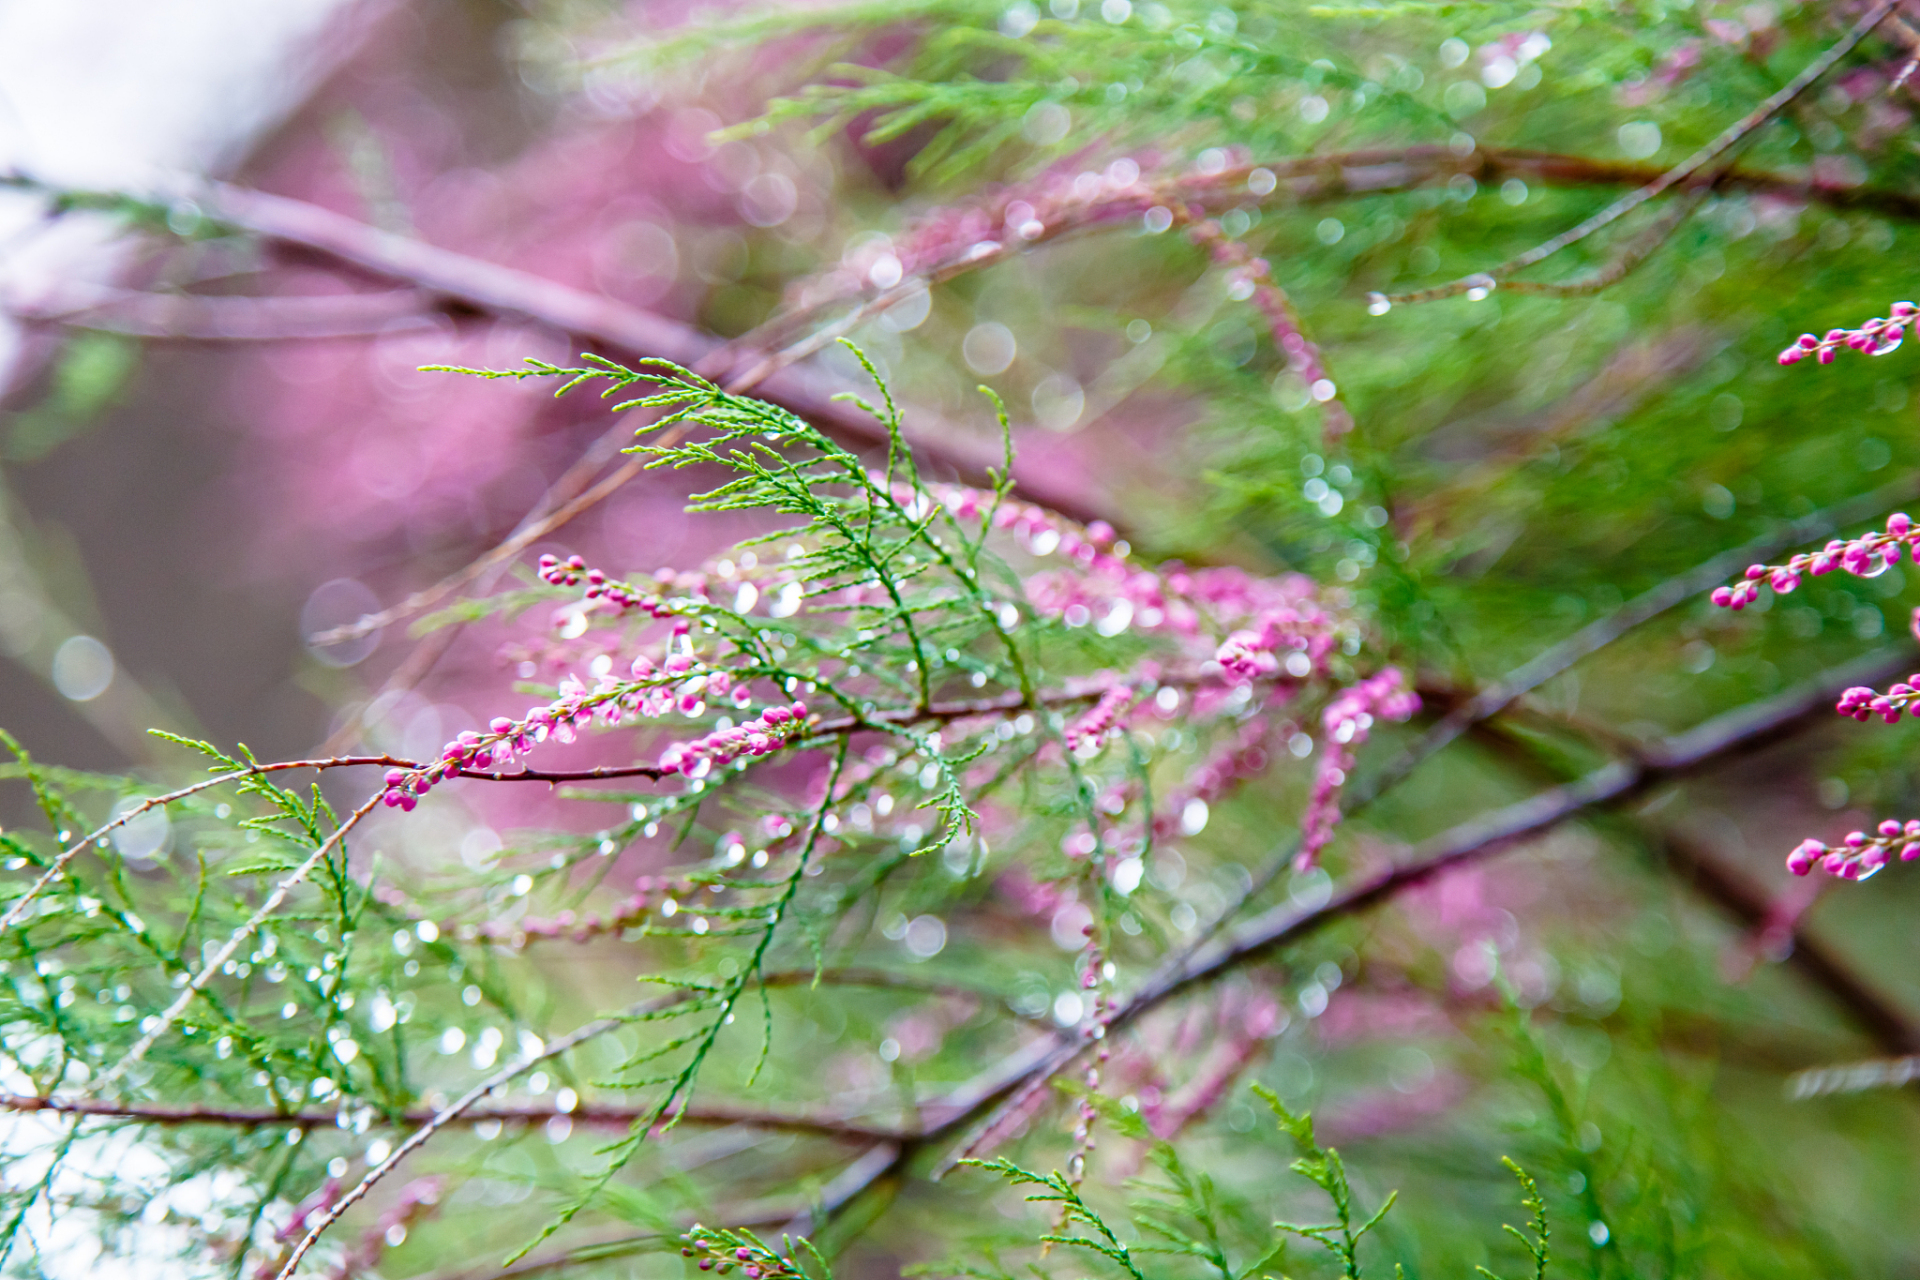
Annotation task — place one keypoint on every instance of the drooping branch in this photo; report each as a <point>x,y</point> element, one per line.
<point>1717,880</point>
<point>221,318</point>
<point>1682,173</point>
<point>1720,882</point>
<point>1707,746</point>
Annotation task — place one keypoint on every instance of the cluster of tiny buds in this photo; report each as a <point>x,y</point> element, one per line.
<point>677,683</point>
<point>1867,556</point>
<point>1876,337</point>
<point>1251,277</point>
<point>723,1252</point>
<point>1859,855</point>
<point>1863,703</point>
<point>1093,729</point>
<point>621,595</point>
<point>1348,719</point>
<point>762,735</point>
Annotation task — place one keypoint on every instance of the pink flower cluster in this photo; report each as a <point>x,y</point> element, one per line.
<point>1876,337</point>
<point>1348,720</point>
<point>762,735</point>
<point>1863,703</point>
<point>1101,719</point>
<point>1256,652</point>
<point>1867,556</point>
<point>1859,855</point>
<point>1250,276</point>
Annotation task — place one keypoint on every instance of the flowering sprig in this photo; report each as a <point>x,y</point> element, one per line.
<point>1867,556</point>
<point>1863,703</point>
<point>1859,855</point>
<point>723,1250</point>
<point>1100,721</point>
<point>1250,277</point>
<point>681,682</point>
<point>618,595</point>
<point>1348,721</point>
<point>1876,337</point>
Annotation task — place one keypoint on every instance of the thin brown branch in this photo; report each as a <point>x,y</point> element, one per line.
<point>1683,172</point>
<point>1636,612</point>
<point>1631,255</point>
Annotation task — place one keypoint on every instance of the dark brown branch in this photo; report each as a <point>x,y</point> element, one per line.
<point>1723,884</point>
<point>585,1114</point>
<point>1642,609</point>
<point>619,328</point>
<point>1722,738</point>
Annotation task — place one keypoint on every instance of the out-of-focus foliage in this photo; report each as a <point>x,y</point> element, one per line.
<point>1603,1004</point>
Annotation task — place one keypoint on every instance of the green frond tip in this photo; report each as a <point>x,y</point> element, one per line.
<point>1537,1245</point>
<point>1323,1167</point>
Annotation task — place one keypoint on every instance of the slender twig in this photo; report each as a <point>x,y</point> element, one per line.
<point>223,318</point>
<point>1631,255</point>
<point>1730,137</point>
<point>447,1115</point>
<point>1717,880</point>
<point>585,1114</point>
<point>1723,884</point>
<point>59,864</point>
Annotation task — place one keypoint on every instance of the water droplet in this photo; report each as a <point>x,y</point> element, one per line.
<point>1479,286</point>
<point>1875,565</point>
<point>1378,304</point>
